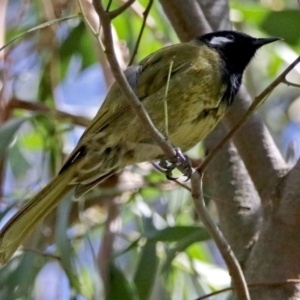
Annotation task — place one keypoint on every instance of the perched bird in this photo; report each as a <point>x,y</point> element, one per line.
<point>203,77</point>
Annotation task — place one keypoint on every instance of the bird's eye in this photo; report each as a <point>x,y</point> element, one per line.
<point>230,37</point>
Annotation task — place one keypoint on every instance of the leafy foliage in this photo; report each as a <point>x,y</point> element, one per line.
<point>161,249</point>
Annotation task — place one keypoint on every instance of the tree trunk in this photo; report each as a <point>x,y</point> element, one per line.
<point>256,194</point>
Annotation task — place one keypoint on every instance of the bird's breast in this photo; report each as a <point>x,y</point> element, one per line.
<point>197,121</point>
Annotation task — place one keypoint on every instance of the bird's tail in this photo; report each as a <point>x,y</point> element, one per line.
<point>36,209</point>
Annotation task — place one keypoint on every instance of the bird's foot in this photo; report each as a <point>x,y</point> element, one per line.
<point>180,161</point>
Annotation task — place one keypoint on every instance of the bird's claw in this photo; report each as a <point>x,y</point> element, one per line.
<point>180,160</point>
<point>169,174</point>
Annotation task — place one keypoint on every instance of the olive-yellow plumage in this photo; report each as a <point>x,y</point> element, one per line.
<point>117,128</point>
<point>205,76</point>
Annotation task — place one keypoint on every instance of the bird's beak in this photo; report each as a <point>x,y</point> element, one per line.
<point>264,41</point>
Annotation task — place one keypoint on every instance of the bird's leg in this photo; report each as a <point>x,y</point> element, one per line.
<point>178,161</point>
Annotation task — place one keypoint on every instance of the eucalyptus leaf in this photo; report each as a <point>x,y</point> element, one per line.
<point>182,244</point>
<point>119,286</point>
<point>38,27</point>
<point>63,243</point>
<point>7,133</point>
<point>146,271</point>
<point>18,162</point>
<point>177,233</point>
<point>289,25</point>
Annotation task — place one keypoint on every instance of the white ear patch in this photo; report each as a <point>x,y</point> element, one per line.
<point>220,40</point>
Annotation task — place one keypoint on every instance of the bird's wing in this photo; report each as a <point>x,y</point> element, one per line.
<point>150,75</point>
<point>146,78</point>
<point>166,62</point>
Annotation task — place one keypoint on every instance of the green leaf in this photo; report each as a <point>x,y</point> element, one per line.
<point>63,243</point>
<point>146,271</point>
<point>7,133</point>
<point>119,286</point>
<point>289,21</point>
<point>32,140</point>
<point>87,283</point>
<point>184,243</point>
<point>18,163</point>
<point>156,177</point>
<point>79,42</point>
<point>38,27</point>
<point>150,193</point>
<point>177,233</point>
<point>251,13</point>
<point>132,246</point>
<point>17,277</point>
<point>149,228</point>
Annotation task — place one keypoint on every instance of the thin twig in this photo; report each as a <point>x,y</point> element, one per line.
<point>145,16</point>
<point>233,266</point>
<point>106,248</point>
<point>160,140</point>
<point>166,100</point>
<point>40,107</point>
<point>38,27</point>
<point>85,18</point>
<point>250,285</point>
<point>81,208</point>
<point>288,83</point>
<point>215,293</point>
<point>41,253</point>
<point>125,87</point>
<point>137,8</point>
<point>256,102</point>
<point>196,184</point>
<point>113,14</point>
<point>108,5</point>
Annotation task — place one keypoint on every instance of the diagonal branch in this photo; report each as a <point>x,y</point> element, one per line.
<point>188,24</point>
<point>138,9</point>
<point>257,101</point>
<point>128,92</point>
<point>239,213</point>
<point>40,107</point>
<point>233,266</point>
<point>251,285</point>
<point>145,16</point>
<point>113,14</point>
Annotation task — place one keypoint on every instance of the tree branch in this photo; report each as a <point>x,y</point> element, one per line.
<point>105,253</point>
<point>121,80</point>
<point>238,203</point>
<point>256,102</point>
<point>188,19</point>
<point>4,111</point>
<point>233,266</point>
<point>145,16</point>
<point>138,9</point>
<point>113,14</point>
<point>251,285</point>
<point>40,107</point>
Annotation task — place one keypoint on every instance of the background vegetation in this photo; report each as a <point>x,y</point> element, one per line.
<point>137,235</point>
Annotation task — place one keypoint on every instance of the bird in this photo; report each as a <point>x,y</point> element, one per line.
<point>201,77</point>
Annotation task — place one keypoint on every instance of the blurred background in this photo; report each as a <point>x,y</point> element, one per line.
<point>137,233</point>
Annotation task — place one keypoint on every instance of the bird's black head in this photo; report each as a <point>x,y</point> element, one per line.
<point>235,48</point>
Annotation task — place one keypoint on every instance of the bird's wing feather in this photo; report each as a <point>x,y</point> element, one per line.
<point>145,79</point>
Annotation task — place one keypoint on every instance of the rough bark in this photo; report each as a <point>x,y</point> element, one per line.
<point>256,195</point>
